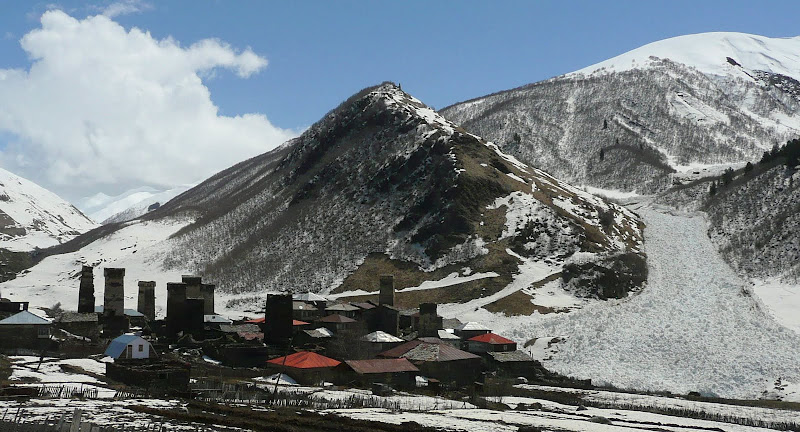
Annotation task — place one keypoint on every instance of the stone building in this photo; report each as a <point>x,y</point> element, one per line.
<point>24,330</point>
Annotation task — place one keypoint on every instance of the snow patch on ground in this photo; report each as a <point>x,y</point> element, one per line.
<point>781,299</point>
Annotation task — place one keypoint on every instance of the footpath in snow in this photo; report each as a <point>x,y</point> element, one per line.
<point>694,327</point>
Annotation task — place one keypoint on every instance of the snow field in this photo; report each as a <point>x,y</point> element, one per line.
<point>692,328</point>
<point>139,247</point>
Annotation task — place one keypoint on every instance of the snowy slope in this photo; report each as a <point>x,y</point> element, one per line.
<point>708,53</point>
<point>129,205</point>
<point>382,180</point>
<point>33,217</point>
<point>695,327</point>
<point>673,105</point>
<point>139,246</point>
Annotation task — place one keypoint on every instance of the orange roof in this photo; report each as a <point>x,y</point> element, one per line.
<point>263,320</point>
<point>305,360</point>
<point>491,338</point>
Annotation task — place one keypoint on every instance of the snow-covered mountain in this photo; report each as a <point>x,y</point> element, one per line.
<point>33,217</point>
<point>382,184</point>
<point>629,122</point>
<point>129,205</point>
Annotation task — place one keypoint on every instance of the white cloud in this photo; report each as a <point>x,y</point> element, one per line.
<point>102,109</point>
<point>125,7</point>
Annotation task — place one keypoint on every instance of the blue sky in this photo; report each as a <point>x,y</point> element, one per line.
<point>321,52</point>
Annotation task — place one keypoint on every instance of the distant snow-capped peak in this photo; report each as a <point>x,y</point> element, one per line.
<point>709,54</point>
<point>33,217</point>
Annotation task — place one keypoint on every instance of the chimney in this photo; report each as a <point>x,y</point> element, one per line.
<point>86,290</point>
<point>147,299</point>
<point>176,306</point>
<point>192,285</point>
<point>386,295</point>
<point>207,294</point>
<point>114,294</point>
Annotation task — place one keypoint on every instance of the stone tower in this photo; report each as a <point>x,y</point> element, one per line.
<point>86,290</point>
<point>207,294</point>
<point>176,307</point>
<point>193,284</point>
<point>386,295</point>
<point>114,294</point>
<point>147,299</point>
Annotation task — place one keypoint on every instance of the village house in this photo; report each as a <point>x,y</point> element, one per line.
<point>130,346</point>
<point>439,360</point>
<point>471,329</point>
<point>379,341</point>
<point>303,311</point>
<point>24,330</point>
<point>79,324</point>
<point>395,372</point>
<point>490,342</point>
<point>343,309</point>
<point>338,323</point>
<point>306,367</point>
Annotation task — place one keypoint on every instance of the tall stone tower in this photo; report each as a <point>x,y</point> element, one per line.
<point>86,290</point>
<point>207,294</point>
<point>176,307</point>
<point>114,294</point>
<point>386,295</point>
<point>147,299</point>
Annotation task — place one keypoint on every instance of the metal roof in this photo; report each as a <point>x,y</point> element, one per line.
<point>24,318</point>
<point>429,350</point>
<point>473,326</point>
<point>127,312</point>
<point>446,335</point>
<point>120,343</point>
<point>374,366</point>
<point>364,305</point>
<point>305,360</point>
<point>217,319</point>
<point>491,338</point>
<point>320,333</point>
<point>511,356</point>
<point>382,337</point>
<point>342,307</point>
<point>336,318</point>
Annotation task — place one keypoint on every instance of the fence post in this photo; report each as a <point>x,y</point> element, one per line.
<point>76,420</point>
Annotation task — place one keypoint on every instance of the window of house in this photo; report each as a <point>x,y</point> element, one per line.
<point>43,331</point>
<point>141,348</point>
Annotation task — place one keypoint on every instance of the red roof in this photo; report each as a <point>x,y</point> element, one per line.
<point>299,323</point>
<point>491,338</point>
<point>381,366</point>
<point>305,360</point>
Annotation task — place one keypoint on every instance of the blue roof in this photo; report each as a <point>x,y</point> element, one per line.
<point>24,317</point>
<point>119,344</point>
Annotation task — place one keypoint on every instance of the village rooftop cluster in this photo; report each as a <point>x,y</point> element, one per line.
<point>305,338</point>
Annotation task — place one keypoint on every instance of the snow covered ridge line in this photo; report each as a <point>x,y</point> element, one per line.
<point>33,217</point>
<point>708,53</point>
